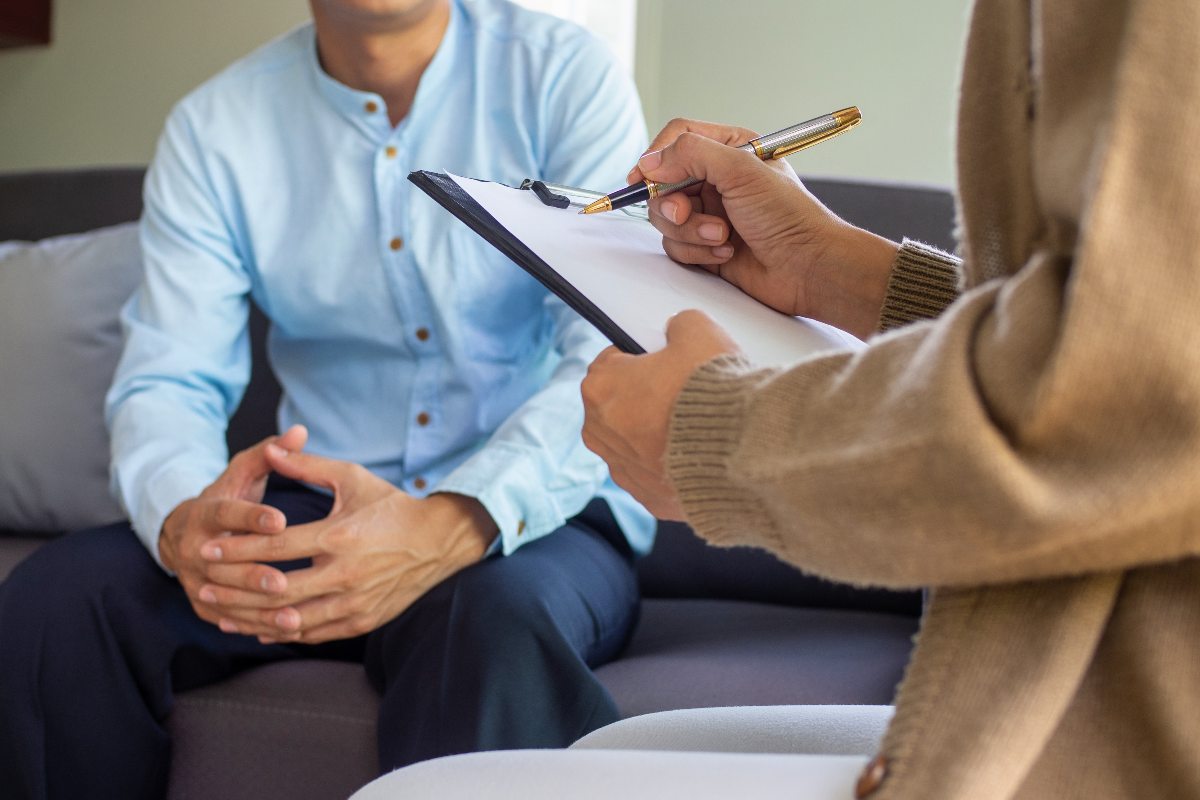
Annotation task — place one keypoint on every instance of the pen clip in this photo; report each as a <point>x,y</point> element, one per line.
<point>553,193</point>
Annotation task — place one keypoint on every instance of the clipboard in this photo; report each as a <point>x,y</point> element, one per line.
<point>611,269</point>
<point>450,196</point>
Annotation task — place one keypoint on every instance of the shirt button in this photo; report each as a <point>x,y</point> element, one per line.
<point>370,106</point>
<point>520,527</point>
<point>423,334</point>
<point>396,243</point>
<point>419,483</point>
<point>871,778</point>
<point>422,419</point>
<point>390,152</point>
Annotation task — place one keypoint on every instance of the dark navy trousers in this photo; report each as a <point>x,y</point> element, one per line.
<point>95,640</point>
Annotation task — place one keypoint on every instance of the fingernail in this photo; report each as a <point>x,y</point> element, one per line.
<point>724,251</point>
<point>712,231</point>
<point>211,552</point>
<point>227,626</point>
<point>670,210</point>
<point>267,520</point>
<point>207,595</point>
<point>651,160</point>
<point>269,584</point>
<point>276,450</point>
<point>287,620</point>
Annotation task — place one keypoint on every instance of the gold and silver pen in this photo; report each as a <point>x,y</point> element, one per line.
<point>773,145</point>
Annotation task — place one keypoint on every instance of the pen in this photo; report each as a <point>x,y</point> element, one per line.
<point>773,145</point>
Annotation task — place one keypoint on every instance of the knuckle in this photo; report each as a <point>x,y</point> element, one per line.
<point>275,546</point>
<point>337,538</point>
<point>354,606</point>
<point>587,388</point>
<point>343,582</point>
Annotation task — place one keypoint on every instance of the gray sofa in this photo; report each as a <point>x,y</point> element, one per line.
<point>718,627</point>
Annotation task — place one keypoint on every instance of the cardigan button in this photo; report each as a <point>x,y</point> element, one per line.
<point>871,778</point>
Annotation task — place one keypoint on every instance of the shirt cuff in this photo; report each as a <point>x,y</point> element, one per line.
<point>923,282</point>
<point>504,480</point>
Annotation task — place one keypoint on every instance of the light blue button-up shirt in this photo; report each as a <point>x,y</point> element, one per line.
<point>403,341</point>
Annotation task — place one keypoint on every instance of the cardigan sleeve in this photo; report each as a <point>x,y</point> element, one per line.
<point>923,282</point>
<point>1046,424</point>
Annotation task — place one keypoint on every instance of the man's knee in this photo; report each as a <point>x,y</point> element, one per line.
<point>62,578</point>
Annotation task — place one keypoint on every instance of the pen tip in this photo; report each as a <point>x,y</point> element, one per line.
<point>603,204</point>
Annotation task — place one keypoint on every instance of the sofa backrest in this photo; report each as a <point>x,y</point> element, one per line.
<point>36,205</point>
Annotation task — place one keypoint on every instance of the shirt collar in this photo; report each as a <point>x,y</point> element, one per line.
<point>366,111</point>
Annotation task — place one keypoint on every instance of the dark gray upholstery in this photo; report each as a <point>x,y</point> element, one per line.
<point>719,627</point>
<point>704,652</point>
<point>289,730</point>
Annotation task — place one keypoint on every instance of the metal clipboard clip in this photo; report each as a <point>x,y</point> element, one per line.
<point>560,196</point>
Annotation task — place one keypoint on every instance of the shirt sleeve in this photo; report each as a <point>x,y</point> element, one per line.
<point>186,361</point>
<point>1045,425</point>
<point>535,472</point>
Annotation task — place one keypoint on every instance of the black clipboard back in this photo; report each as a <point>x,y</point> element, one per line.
<point>450,196</point>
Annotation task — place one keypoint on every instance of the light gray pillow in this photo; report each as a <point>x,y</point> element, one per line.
<point>59,344</point>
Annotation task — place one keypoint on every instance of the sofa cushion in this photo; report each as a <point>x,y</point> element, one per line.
<point>684,565</point>
<point>700,653</point>
<point>59,344</point>
<point>297,729</point>
<point>15,548</point>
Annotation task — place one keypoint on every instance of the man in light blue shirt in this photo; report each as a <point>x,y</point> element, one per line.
<point>449,527</point>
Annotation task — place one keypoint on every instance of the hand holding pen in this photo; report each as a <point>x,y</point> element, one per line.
<point>755,224</point>
<point>774,145</point>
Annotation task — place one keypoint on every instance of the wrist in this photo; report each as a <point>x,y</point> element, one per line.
<point>854,281</point>
<point>470,526</point>
<point>166,542</point>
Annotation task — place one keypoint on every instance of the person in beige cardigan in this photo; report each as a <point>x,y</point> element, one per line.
<point>1031,451</point>
<point>1021,432</point>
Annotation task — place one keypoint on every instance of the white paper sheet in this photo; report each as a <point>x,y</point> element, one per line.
<point>619,264</point>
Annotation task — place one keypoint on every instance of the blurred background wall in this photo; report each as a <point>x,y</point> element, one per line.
<point>98,94</point>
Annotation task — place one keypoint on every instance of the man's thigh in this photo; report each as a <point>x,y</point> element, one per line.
<point>500,654</point>
<point>578,580</point>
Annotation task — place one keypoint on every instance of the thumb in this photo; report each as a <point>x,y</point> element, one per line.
<point>294,438</point>
<point>693,155</point>
<point>699,334</point>
<point>688,324</point>
<point>304,467</point>
<point>248,470</point>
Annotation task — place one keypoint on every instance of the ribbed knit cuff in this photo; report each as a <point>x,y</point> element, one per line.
<point>924,281</point>
<point>706,429</point>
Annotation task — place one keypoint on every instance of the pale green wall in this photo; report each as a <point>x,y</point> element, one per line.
<point>100,92</point>
<point>770,63</point>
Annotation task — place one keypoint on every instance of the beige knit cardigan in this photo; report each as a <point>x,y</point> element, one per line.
<point>1033,452</point>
